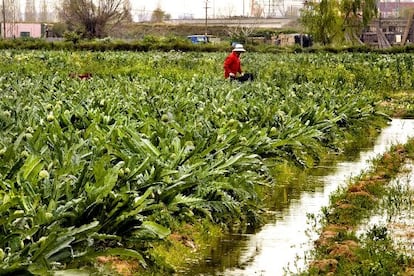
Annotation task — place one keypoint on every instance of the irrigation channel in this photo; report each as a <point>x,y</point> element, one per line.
<point>280,246</point>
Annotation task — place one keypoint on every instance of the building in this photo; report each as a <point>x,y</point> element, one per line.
<point>394,9</point>
<point>303,40</point>
<point>394,26</point>
<point>16,30</point>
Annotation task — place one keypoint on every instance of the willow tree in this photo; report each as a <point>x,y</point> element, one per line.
<point>331,21</point>
<point>94,17</point>
<point>321,20</point>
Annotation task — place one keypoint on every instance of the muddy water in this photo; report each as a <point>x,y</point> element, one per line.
<point>278,248</point>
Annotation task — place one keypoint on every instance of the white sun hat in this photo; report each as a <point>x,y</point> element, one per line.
<point>239,48</point>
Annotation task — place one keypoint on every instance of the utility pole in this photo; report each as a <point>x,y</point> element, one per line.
<point>206,8</point>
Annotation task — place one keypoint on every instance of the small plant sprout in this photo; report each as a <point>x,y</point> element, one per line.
<point>50,117</point>
<point>44,174</point>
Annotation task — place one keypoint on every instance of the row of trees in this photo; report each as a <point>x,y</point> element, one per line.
<point>90,18</point>
<point>327,20</point>
<point>12,12</point>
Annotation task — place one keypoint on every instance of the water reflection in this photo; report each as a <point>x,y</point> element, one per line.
<point>274,249</point>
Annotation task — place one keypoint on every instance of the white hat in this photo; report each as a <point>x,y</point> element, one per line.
<point>239,48</point>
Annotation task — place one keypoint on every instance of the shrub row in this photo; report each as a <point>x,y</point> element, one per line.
<point>178,44</point>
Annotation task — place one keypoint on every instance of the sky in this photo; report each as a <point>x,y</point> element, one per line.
<point>194,8</point>
<point>179,9</point>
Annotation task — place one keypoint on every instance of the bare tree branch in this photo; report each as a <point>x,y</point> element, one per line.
<point>94,17</point>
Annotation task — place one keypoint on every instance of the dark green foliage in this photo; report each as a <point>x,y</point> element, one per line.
<point>109,163</point>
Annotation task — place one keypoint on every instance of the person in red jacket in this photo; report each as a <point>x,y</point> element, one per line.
<point>232,65</point>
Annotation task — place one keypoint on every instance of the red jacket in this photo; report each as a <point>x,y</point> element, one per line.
<point>232,65</point>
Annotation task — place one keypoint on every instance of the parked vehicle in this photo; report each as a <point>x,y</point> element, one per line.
<point>198,39</point>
